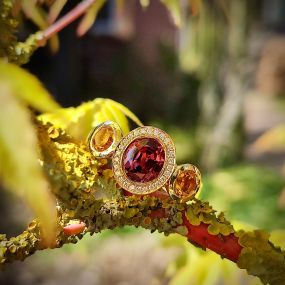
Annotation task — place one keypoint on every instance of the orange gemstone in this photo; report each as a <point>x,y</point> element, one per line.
<point>103,138</point>
<point>186,184</point>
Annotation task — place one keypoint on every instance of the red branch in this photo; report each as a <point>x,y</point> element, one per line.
<point>67,19</point>
<point>226,246</point>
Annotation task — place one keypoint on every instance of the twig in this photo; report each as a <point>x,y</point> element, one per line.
<point>70,17</point>
<point>76,178</point>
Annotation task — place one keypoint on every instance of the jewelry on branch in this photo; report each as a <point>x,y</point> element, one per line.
<point>144,161</point>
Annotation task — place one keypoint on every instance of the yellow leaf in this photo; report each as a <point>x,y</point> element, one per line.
<point>90,17</point>
<point>80,120</point>
<point>175,9</point>
<point>40,18</point>
<point>34,12</point>
<point>125,111</point>
<point>55,10</point>
<point>145,3</point>
<point>277,237</point>
<point>20,169</point>
<point>271,141</point>
<point>27,87</point>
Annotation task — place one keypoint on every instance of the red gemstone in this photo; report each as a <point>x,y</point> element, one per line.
<point>143,159</point>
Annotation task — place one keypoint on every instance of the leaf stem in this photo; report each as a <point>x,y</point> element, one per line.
<point>70,17</point>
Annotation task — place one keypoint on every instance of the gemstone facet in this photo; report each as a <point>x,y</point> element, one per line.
<point>185,182</point>
<point>143,159</point>
<point>103,138</point>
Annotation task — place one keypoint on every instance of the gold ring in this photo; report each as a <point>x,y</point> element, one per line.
<point>144,161</point>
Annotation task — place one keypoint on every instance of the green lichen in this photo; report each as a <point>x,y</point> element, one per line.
<point>10,47</point>
<point>201,212</point>
<point>21,52</point>
<point>8,29</point>
<point>86,191</point>
<point>261,258</point>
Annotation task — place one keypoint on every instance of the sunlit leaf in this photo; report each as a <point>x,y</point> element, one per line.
<point>90,17</point>
<point>55,10</point>
<point>34,13</point>
<point>277,237</point>
<point>20,169</point>
<point>271,141</point>
<point>80,120</point>
<point>175,9</point>
<point>27,87</point>
<point>125,111</point>
<point>145,3</point>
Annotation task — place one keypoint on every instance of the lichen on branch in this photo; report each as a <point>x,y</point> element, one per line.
<point>87,192</point>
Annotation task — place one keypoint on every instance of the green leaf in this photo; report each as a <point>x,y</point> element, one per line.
<point>20,169</point>
<point>248,194</point>
<point>27,87</point>
<point>90,17</point>
<point>80,120</point>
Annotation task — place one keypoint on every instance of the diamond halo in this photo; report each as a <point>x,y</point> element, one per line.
<point>166,171</point>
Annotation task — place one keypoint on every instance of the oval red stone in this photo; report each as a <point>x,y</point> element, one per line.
<point>143,159</point>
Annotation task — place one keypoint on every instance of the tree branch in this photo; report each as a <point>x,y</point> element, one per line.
<point>70,17</point>
<point>87,192</point>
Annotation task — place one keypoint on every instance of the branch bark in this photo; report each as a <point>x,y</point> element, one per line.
<point>86,191</point>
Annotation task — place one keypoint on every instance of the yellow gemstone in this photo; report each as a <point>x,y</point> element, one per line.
<point>103,138</point>
<point>187,184</point>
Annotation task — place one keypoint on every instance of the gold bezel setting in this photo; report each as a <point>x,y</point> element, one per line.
<point>142,188</point>
<point>117,136</point>
<point>184,196</point>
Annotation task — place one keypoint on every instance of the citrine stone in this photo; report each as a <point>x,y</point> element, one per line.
<point>103,138</point>
<point>143,159</point>
<point>187,184</point>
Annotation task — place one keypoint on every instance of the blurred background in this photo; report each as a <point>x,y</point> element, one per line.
<point>212,74</point>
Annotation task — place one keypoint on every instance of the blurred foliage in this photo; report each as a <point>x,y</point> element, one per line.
<point>203,48</point>
<point>20,169</point>
<point>26,87</point>
<point>272,140</point>
<point>248,194</point>
<point>90,17</point>
<point>197,267</point>
<point>43,14</point>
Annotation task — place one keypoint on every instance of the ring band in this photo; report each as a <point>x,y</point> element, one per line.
<point>144,161</point>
